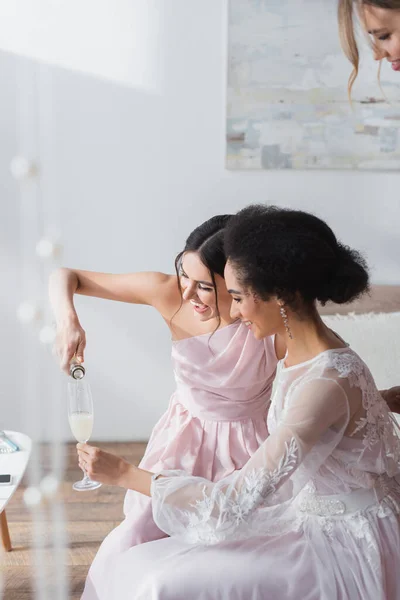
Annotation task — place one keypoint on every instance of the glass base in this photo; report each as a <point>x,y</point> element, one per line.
<point>86,485</point>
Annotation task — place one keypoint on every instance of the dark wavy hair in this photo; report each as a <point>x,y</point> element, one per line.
<point>207,240</point>
<point>294,256</point>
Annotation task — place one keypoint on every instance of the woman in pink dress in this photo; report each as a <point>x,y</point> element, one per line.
<point>216,418</point>
<point>315,512</point>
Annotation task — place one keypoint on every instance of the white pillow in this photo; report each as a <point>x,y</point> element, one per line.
<point>376,338</point>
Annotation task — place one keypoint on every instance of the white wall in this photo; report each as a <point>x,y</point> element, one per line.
<point>134,171</point>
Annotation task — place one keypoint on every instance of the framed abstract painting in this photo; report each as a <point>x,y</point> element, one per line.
<point>287,102</point>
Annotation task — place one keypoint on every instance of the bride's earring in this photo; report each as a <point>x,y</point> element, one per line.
<point>285,319</point>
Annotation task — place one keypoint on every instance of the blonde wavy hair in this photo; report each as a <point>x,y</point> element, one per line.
<point>347,12</point>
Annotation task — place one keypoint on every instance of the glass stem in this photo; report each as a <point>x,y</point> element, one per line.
<point>85,475</point>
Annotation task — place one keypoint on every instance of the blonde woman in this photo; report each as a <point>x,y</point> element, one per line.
<point>381,20</point>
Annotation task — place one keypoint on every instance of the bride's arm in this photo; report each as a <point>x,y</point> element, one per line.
<point>197,509</point>
<point>113,470</point>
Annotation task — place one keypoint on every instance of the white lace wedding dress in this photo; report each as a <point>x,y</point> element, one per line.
<point>314,514</point>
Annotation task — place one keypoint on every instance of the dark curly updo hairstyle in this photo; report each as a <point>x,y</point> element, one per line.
<point>208,241</point>
<point>294,256</point>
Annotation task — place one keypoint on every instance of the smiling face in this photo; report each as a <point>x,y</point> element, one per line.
<point>198,288</point>
<point>383,25</point>
<point>263,317</point>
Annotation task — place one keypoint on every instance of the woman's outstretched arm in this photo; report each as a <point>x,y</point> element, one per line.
<point>150,288</point>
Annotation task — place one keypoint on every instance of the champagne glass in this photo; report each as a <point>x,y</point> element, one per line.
<point>80,416</point>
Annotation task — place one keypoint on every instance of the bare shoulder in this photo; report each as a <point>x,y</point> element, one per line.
<point>156,289</point>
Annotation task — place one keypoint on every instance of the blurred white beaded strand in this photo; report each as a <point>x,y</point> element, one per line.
<point>30,310</point>
<point>40,250</point>
<point>32,497</point>
<point>22,168</point>
<point>48,249</point>
<point>47,334</point>
<point>28,313</point>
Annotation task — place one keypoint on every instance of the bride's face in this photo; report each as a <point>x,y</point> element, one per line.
<point>384,27</point>
<point>262,317</point>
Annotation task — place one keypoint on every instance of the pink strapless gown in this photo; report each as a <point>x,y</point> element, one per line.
<point>215,421</point>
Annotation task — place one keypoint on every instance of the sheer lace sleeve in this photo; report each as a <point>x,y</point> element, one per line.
<point>310,426</point>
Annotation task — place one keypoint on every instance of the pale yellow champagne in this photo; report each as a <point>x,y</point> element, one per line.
<point>81,424</point>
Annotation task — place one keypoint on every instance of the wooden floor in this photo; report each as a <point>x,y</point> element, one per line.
<point>89,517</point>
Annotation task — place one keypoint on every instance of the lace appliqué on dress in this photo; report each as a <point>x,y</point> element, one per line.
<point>359,524</point>
<point>377,423</point>
<point>317,505</point>
<point>217,515</point>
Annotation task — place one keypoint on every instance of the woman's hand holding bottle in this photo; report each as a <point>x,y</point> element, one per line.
<point>70,343</point>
